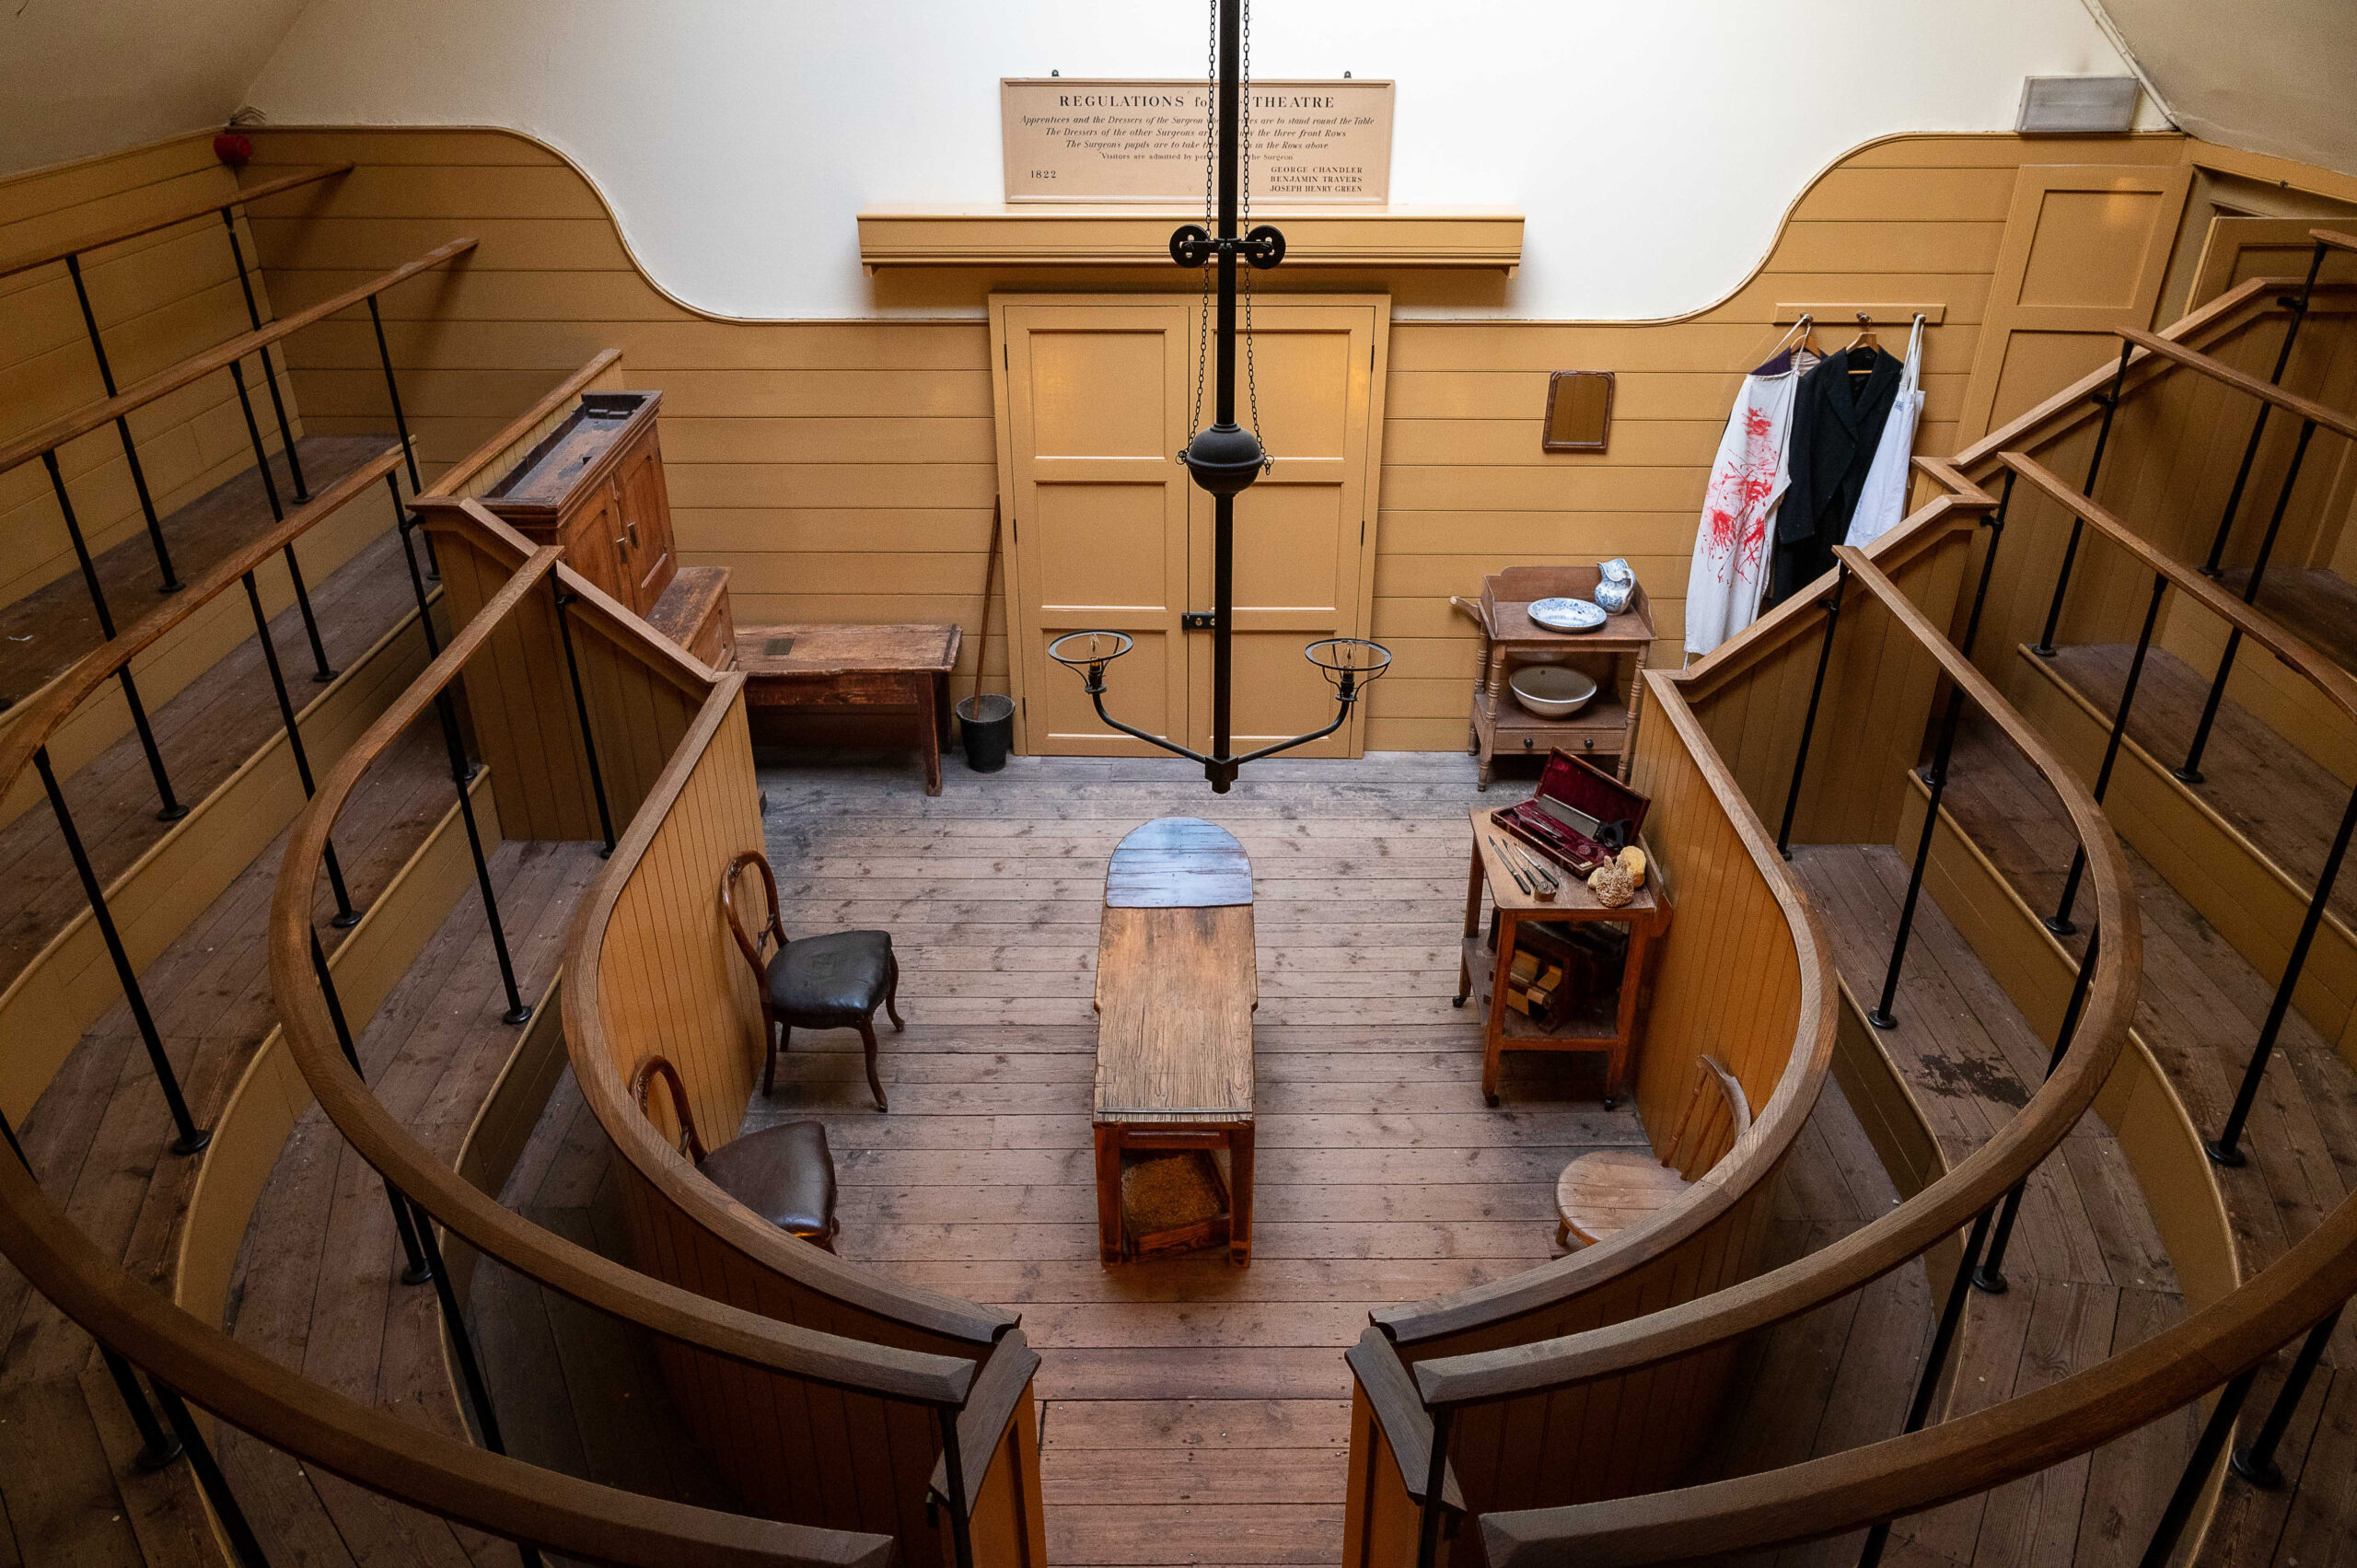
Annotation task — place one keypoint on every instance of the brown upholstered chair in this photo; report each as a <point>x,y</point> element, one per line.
<point>1605,1191</point>
<point>835,981</point>
<point>785,1174</point>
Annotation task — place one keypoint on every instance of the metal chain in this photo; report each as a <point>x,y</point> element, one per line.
<point>1244,226</point>
<point>1211,147</point>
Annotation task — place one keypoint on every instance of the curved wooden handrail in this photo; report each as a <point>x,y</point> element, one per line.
<point>372,1448</point>
<point>561,1265</point>
<point>94,416</point>
<point>490,451</point>
<point>2335,683</point>
<point>39,718</point>
<point>26,260</point>
<point>1932,1214</point>
<point>1779,1121</point>
<point>2334,238</point>
<point>1958,1458</point>
<point>661,1164</point>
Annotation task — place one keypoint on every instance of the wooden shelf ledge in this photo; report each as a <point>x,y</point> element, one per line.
<point>1131,236</point>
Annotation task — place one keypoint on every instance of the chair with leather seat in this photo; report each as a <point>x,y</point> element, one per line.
<point>785,1174</point>
<point>835,981</point>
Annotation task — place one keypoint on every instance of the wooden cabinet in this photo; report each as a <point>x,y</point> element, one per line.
<point>594,485</point>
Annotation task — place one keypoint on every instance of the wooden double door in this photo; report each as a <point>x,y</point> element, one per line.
<point>1094,398</point>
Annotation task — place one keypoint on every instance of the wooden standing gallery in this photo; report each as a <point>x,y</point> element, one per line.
<point>1678,893</point>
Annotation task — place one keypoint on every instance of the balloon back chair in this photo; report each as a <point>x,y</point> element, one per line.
<point>835,981</point>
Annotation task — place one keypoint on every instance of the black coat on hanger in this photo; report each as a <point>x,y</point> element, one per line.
<point>1837,424</point>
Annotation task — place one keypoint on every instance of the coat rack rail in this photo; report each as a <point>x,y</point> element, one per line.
<point>1880,315</point>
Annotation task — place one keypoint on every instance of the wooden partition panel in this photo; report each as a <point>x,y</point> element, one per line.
<point>1742,976</point>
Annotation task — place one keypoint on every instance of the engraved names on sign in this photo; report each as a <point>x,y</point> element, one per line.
<point>1070,139</point>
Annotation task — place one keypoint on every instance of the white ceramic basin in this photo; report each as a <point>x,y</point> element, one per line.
<point>1552,691</point>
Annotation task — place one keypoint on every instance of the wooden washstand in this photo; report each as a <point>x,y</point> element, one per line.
<point>1177,984</point>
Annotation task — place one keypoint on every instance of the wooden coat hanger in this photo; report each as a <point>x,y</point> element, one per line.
<point>1800,340</point>
<point>1865,340</point>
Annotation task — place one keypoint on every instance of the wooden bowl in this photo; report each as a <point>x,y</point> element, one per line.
<point>1552,691</point>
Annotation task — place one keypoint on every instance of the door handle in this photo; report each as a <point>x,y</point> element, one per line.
<point>1199,620</point>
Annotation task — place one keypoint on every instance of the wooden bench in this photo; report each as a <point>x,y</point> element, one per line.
<point>803,665</point>
<point>1604,1192</point>
<point>1177,984</point>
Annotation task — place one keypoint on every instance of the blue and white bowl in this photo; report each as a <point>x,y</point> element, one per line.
<point>1568,614</point>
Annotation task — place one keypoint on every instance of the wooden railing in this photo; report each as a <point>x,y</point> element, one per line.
<point>1621,1402</point>
<point>82,244</point>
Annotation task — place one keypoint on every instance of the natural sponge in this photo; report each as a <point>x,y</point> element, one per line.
<point>1611,884</point>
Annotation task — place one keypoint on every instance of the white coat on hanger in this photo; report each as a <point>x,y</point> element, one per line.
<point>1882,501</point>
<point>1748,479</point>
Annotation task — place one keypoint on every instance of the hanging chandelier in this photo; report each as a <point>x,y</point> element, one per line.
<point>1223,458</point>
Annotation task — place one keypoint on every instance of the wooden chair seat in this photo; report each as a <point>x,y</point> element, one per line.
<point>834,981</point>
<point>1606,1192</point>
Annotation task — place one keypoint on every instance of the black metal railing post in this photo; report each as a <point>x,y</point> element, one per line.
<point>156,1446</point>
<point>1881,1016</point>
<point>1995,522</point>
<point>517,1013</point>
<point>1927,1382</point>
<point>953,1461</point>
<point>589,741</point>
<point>226,1508</point>
<point>2198,1466</point>
<point>278,398</point>
<point>462,1346</point>
<point>170,583</point>
<point>2109,403</point>
<point>405,524</point>
<point>191,1138</point>
<point>2190,772</point>
<point>1435,1491</point>
<point>321,671</point>
<point>1990,1276</point>
<point>2060,922</point>
<point>168,808</point>
<point>393,391</point>
<point>418,1271</point>
<point>1832,605</point>
<point>2299,310</point>
<point>346,916</point>
<point>2255,1460</point>
<point>2226,1148</point>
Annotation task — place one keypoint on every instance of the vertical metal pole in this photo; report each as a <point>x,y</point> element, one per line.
<point>169,584</point>
<point>156,1446</point>
<point>191,1138</point>
<point>454,1323</point>
<point>322,673</point>
<point>2109,403</point>
<point>1831,603</point>
<point>2060,922</point>
<point>169,809</point>
<point>1224,506</point>
<point>345,917</point>
<point>517,1013</point>
<point>417,1272</point>
<point>2255,1461</point>
<point>393,390</point>
<point>953,1459</point>
<point>404,523</point>
<point>2198,1466</point>
<point>1988,566</point>
<point>2258,426</point>
<point>278,398</point>
<point>1926,1383</point>
<point>2225,1149</point>
<point>1990,1276</point>
<point>1881,1016</point>
<point>2191,772</point>
<point>242,1539</point>
<point>581,712</point>
<point>1435,1491</point>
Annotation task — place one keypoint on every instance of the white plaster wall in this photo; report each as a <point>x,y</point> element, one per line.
<point>81,78</point>
<point>1653,147</point>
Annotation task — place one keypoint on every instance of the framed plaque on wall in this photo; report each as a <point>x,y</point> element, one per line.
<point>1076,139</point>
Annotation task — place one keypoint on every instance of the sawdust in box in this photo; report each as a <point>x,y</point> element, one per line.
<point>1173,1202</point>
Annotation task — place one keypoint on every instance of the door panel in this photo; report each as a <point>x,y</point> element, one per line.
<point>2086,252</point>
<point>1093,399</point>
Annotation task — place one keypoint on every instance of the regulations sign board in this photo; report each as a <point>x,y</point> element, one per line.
<point>1072,139</point>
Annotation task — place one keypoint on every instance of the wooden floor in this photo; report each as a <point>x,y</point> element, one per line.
<point>1193,1412</point>
<point>2318,604</point>
<point>43,634</point>
<point>317,1285</point>
<point>2201,1007</point>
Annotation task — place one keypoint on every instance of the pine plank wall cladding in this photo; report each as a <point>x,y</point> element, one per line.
<point>844,469</point>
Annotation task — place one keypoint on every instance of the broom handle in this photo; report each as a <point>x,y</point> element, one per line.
<point>990,574</point>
